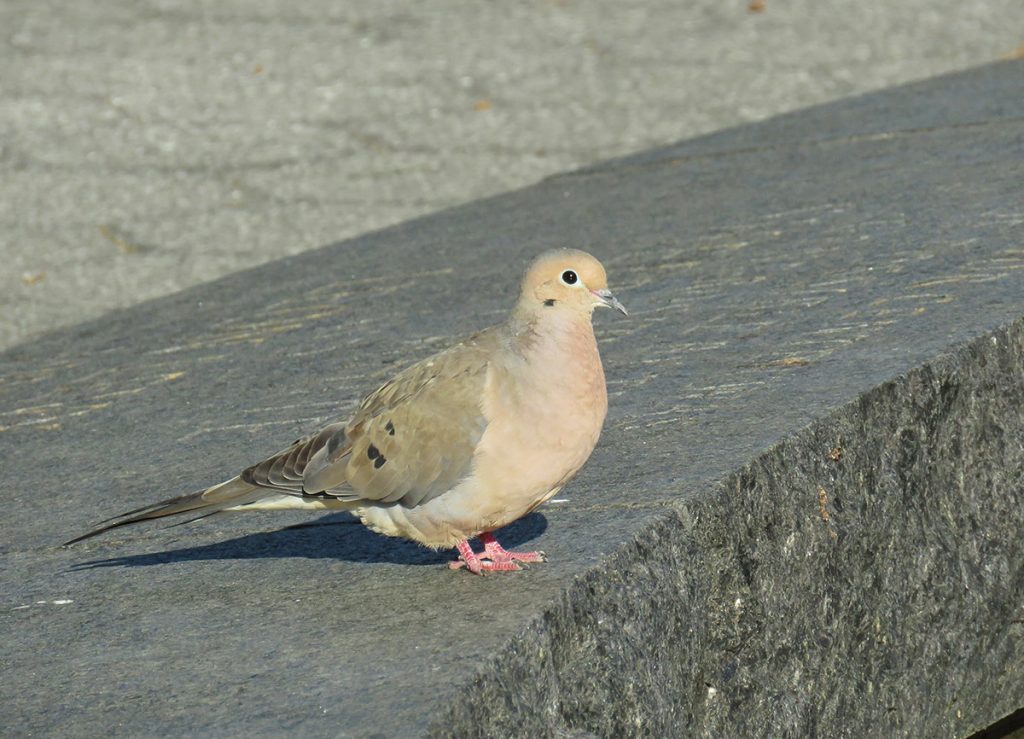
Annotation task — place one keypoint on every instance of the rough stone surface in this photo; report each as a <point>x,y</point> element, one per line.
<point>863,577</point>
<point>803,515</point>
<point>150,145</point>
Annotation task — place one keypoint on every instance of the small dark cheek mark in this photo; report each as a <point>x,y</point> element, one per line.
<point>379,462</point>
<point>549,302</point>
<point>390,428</point>
<point>373,452</point>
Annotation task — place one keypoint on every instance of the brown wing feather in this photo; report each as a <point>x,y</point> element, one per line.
<point>414,438</point>
<point>284,471</point>
<point>409,441</point>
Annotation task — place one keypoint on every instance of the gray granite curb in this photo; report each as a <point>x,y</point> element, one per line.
<point>801,517</point>
<point>862,577</point>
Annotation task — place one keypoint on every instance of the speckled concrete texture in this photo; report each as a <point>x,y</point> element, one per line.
<point>150,145</point>
<point>864,576</point>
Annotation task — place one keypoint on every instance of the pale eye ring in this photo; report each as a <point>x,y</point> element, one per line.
<point>569,277</point>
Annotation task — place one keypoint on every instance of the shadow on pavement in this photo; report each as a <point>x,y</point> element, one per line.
<point>337,536</point>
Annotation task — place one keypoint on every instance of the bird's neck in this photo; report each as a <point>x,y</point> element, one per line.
<point>560,334</point>
<point>530,324</point>
<point>554,353</point>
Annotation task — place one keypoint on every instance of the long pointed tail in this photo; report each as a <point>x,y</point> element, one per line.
<point>214,499</point>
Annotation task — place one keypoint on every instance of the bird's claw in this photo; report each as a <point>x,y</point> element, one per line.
<point>482,565</point>
<point>494,558</point>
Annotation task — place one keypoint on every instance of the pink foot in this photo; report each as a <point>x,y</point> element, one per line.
<point>494,558</point>
<point>494,550</point>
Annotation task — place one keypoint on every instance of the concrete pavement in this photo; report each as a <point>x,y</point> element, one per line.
<point>146,146</point>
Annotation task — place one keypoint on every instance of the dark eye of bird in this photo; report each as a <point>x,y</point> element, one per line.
<point>569,277</point>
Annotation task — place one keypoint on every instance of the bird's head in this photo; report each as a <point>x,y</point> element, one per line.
<point>566,279</point>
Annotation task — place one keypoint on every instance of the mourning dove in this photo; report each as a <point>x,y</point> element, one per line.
<point>459,444</point>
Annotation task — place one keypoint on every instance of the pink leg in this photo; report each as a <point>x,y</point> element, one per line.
<point>467,558</point>
<point>479,564</point>
<point>494,557</point>
<point>494,551</point>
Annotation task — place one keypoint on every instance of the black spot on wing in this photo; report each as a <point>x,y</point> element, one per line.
<point>375,454</point>
<point>390,428</point>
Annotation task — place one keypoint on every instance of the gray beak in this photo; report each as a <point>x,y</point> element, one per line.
<point>608,300</point>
